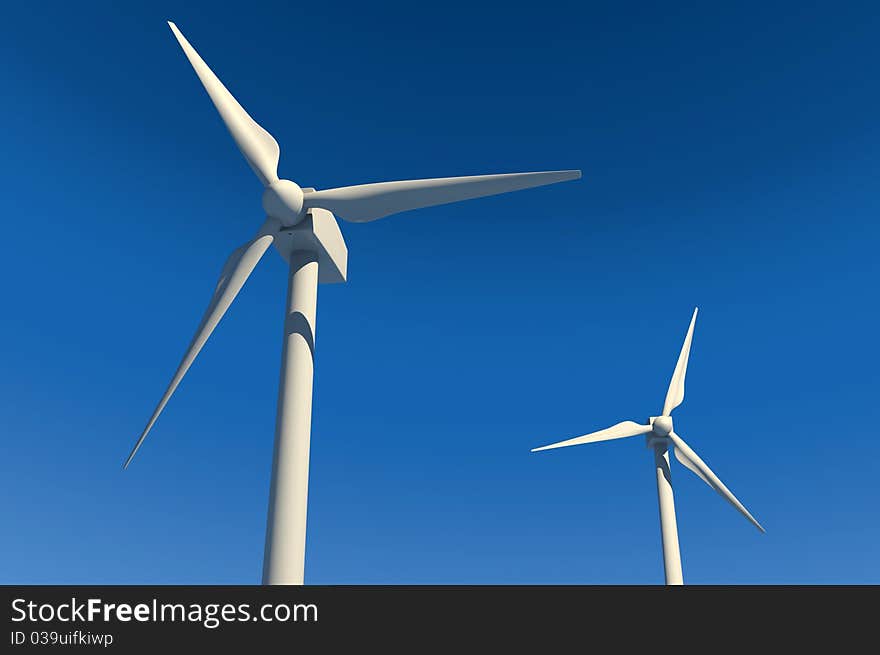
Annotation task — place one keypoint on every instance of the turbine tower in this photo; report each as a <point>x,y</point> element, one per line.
<point>300,223</point>
<point>660,437</point>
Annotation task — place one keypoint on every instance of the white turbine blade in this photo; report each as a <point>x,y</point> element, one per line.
<point>258,146</point>
<point>367,202</point>
<point>619,431</point>
<point>690,459</point>
<point>233,276</point>
<point>675,393</point>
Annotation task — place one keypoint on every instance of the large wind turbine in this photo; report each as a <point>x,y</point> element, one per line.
<point>300,223</point>
<point>660,436</point>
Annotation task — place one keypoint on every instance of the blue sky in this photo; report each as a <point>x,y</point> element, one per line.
<point>730,158</point>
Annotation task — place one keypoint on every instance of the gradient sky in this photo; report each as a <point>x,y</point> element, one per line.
<point>730,158</point>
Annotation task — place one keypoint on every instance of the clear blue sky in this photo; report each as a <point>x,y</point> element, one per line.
<point>730,158</point>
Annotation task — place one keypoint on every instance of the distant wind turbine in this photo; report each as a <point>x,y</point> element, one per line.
<point>660,437</point>
<point>300,223</point>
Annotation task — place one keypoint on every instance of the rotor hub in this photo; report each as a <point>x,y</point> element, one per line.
<point>661,426</point>
<point>283,200</point>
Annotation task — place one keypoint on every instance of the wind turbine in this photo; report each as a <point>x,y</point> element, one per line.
<point>300,223</point>
<point>660,436</point>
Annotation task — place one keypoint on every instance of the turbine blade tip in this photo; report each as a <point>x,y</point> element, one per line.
<point>177,33</point>
<point>569,174</point>
<point>134,451</point>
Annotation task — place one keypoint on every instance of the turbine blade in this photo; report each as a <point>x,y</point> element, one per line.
<point>675,393</point>
<point>690,459</point>
<point>233,276</point>
<point>367,202</point>
<point>619,431</point>
<point>258,146</point>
